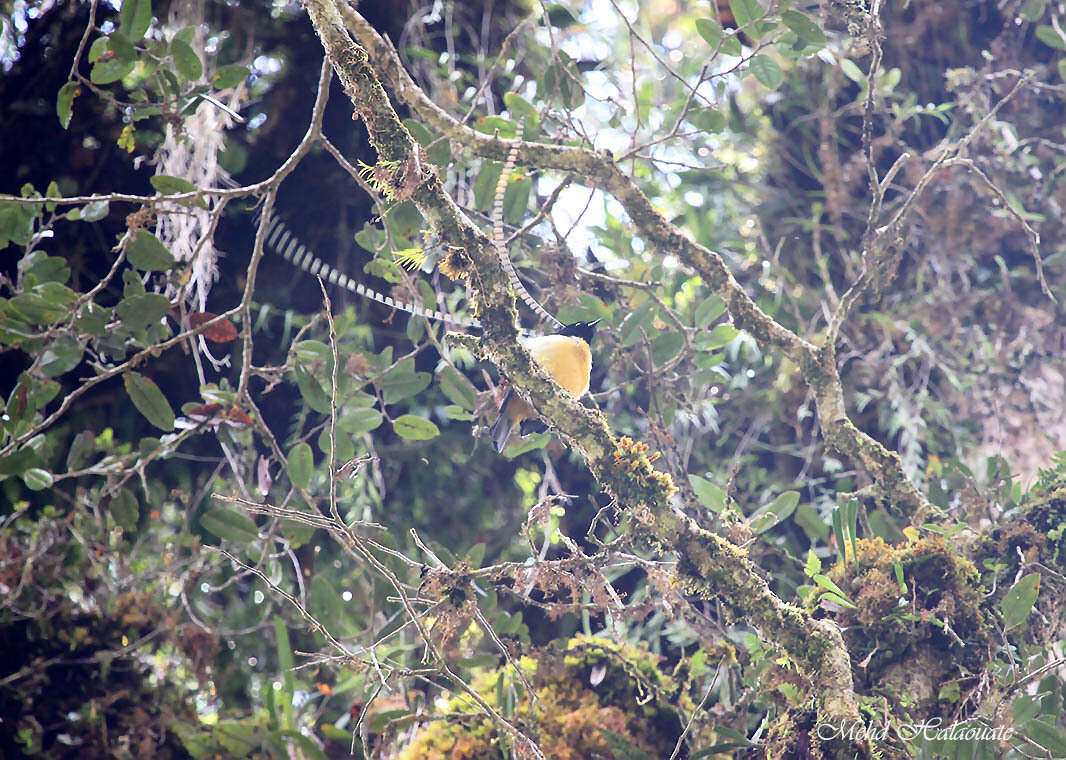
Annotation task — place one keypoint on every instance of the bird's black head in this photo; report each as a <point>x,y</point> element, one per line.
<point>583,330</point>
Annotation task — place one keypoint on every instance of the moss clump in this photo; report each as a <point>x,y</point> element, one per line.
<point>639,483</point>
<point>590,696</point>
<point>1048,516</point>
<point>939,618</point>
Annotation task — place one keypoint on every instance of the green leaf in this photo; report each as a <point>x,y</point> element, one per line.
<point>185,59</point>
<point>453,412</point>
<point>281,635</point>
<point>401,383</point>
<point>838,533</point>
<point>37,479</point>
<point>93,211</point>
<point>457,388</point>
<point>171,185</point>
<point>145,251</point>
<point>710,30</point>
<point>515,200</point>
<point>1050,37</point>
<point>415,428</point>
<point>897,568</point>
<point>236,738</point>
<point>636,321</point>
<point>121,47</point>
<point>19,462</point>
<point>811,522</point>
<point>712,33</point>
<point>39,267</point>
<point>135,18</point>
<point>312,391</point>
<point>139,311</point>
<point>56,294</point>
<point>345,445</point>
<point>851,520</point>
<point>1033,9</point>
<point>300,464</point>
<point>520,446</point>
<point>229,76</point>
<point>485,185</point>
<point>1019,600</point>
<point>1049,738</point>
<point>110,70</point>
<point>149,400</point>
<point>569,80</point>
<point>16,223</point>
<point>825,582</point>
<point>492,124</point>
<point>745,11</point>
<point>93,319</point>
<point>814,564</point>
<point>359,420</point>
<point>34,308</point>
<point>52,191</point>
<point>65,102</point>
<point>97,49</point>
<point>720,336</point>
<point>311,351</point>
<point>38,393</point>
<point>308,748</point>
<point>838,599</point>
<point>767,71</point>
<point>853,72</point>
<point>230,524</point>
<point>124,509</point>
<point>63,355</point>
<point>80,450</point>
<point>666,346</point>
<point>709,494</point>
<point>521,108</point>
<point>380,720</point>
<point>775,512</point>
<point>804,28</point>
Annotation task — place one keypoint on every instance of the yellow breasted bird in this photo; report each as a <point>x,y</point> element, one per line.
<point>565,356</point>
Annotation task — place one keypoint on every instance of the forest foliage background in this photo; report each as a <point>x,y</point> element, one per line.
<point>246,513</point>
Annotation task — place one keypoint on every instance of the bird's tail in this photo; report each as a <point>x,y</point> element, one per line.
<point>501,429</point>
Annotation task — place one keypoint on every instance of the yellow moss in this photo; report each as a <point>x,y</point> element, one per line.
<point>643,482</point>
<point>631,698</point>
<point>941,587</point>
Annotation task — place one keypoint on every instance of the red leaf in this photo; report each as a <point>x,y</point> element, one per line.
<point>220,332</point>
<point>237,417</point>
<point>205,412</point>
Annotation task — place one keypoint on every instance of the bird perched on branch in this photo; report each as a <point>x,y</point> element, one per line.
<point>565,356</point>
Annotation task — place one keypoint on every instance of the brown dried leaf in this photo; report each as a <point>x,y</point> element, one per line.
<point>220,332</point>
